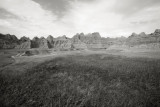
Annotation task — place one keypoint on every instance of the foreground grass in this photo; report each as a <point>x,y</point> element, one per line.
<point>85,81</point>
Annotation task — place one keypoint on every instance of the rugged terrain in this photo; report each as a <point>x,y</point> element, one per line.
<point>82,41</point>
<point>83,71</point>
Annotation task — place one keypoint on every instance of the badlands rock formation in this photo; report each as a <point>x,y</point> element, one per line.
<point>24,43</point>
<point>144,40</point>
<point>40,43</point>
<point>8,41</point>
<point>59,43</point>
<point>62,43</point>
<point>116,42</point>
<point>87,41</point>
<point>78,41</point>
<point>50,41</point>
<point>82,41</point>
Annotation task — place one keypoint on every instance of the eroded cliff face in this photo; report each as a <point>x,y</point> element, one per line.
<point>59,43</point>
<point>24,43</point>
<point>8,41</point>
<point>50,41</point>
<point>40,43</point>
<point>113,42</point>
<point>92,40</point>
<point>144,40</point>
<point>78,41</point>
<point>82,41</point>
<point>43,43</point>
<point>62,44</point>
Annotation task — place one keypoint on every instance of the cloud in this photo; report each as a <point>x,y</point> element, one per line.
<point>102,16</point>
<point>58,7</point>
<point>129,7</point>
<point>91,17</point>
<point>32,18</point>
<point>109,17</point>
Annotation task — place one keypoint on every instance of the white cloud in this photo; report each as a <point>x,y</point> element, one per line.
<point>81,16</point>
<point>4,23</point>
<point>33,20</point>
<point>91,17</point>
<point>100,16</point>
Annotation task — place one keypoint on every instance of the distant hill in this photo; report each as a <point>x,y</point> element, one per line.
<point>143,40</point>
<point>81,41</point>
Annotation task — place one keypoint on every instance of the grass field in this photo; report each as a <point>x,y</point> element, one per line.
<point>95,80</point>
<point>5,57</point>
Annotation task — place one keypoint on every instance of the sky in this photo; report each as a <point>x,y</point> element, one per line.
<point>111,18</point>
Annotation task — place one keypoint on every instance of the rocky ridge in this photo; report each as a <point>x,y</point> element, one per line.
<point>81,41</point>
<point>143,39</point>
<point>8,41</point>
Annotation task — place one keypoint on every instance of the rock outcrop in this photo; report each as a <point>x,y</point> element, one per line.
<point>62,43</point>
<point>24,45</point>
<point>41,43</point>
<point>23,39</point>
<point>108,42</point>
<point>59,43</point>
<point>82,41</point>
<point>50,41</point>
<point>157,32</point>
<point>77,41</point>
<point>79,45</point>
<point>8,41</point>
<point>92,40</point>
<point>143,38</point>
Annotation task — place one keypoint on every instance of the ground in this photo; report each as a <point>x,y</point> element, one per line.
<point>103,78</point>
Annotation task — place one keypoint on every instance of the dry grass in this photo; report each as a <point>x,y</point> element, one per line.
<point>145,53</point>
<point>85,81</point>
<point>5,57</point>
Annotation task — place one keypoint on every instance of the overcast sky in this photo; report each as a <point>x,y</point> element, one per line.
<point>112,18</point>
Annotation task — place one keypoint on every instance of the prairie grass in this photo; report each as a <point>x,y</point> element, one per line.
<point>85,81</point>
<point>5,57</point>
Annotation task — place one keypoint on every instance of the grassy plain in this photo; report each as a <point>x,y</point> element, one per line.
<point>81,79</point>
